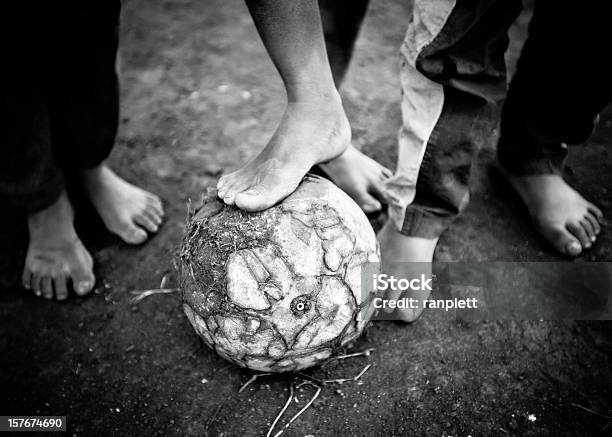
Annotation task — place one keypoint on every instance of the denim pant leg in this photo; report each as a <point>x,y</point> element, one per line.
<point>60,102</point>
<point>30,179</point>
<point>562,82</point>
<point>453,78</point>
<point>84,89</point>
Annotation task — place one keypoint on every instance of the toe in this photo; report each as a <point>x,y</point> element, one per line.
<point>46,285</point>
<point>237,187</point>
<point>368,203</point>
<point>146,222</point>
<point>596,212</point>
<point>26,278</point>
<point>153,215</point>
<point>61,291</point>
<point>572,248</point>
<point>409,315</point>
<point>134,235</point>
<point>588,228</point>
<point>82,282</point>
<point>155,205</point>
<point>391,296</point>
<point>386,172</point>
<point>227,189</point>
<point>594,223</point>
<point>562,240</point>
<point>230,197</point>
<point>223,185</point>
<point>222,181</point>
<point>378,191</point>
<point>154,198</point>
<point>232,190</point>
<point>580,233</point>
<point>36,284</point>
<point>83,279</point>
<point>221,192</point>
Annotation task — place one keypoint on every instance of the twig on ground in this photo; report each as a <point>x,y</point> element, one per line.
<point>315,396</point>
<point>141,294</point>
<point>289,399</point>
<point>592,411</point>
<point>214,416</point>
<point>335,381</point>
<point>250,381</point>
<point>312,378</point>
<point>342,380</point>
<point>307,383</point>
<point>164,282</point>
<point>364,353</point>
<point>314,382</point>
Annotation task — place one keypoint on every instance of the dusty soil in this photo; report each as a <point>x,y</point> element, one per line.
<point>200,97</point>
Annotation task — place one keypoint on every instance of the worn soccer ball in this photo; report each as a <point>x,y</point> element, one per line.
<point>278,290</point>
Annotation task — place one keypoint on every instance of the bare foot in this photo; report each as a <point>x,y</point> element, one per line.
<point>125,209</point>
<point>406,257</point>
<point>565,218</point>
<point>359,176</point>
<point>56,255</point>
<point>309,133</point>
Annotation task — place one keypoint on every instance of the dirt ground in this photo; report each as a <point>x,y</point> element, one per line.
<point>200,97</point>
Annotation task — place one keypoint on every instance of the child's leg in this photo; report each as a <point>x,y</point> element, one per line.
<point>357,174</point>
<point>453,78</point>
<point>31,181</point>
<point>562,82</point>
<point>341,23</point>
<point>313,129</point>
<point>84,111</point>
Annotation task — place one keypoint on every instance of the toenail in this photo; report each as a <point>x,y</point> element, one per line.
<point>573,248</point>
<point>83,287</point>
<point>37,293</point>
<point>593,238</point>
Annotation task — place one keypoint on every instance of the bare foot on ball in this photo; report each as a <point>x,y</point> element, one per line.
<point>56,255</point>
<point>565,218</point>
<point>406,257</point>
<point>359,176</point>
<point>126,210</point>
<point>309,133</point>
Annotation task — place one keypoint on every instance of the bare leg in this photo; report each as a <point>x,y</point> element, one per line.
<point>56,254</point>
<point>126,210</point>
<point>313,129</point>
<point>358,175</point>
<point>398,252</point>
<point>341,23</point>
<point>538,120</point>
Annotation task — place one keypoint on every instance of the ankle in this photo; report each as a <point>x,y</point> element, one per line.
<point>94,173</point>
<point>309,92</point>
<point>57,217</point>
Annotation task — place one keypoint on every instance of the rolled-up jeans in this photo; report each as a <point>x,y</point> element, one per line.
<point>59,107</point>
<point>454,81</point>
<point>563,80</point>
